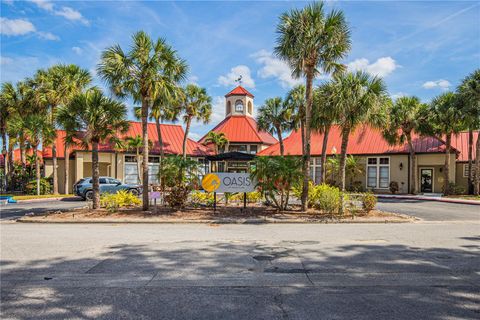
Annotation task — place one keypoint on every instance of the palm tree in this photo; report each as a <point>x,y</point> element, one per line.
<point>445,119</point>
<point>196,105</point>
<point>323,118</point>
<point>469,91</point>
<point>360,99</point>
<point>295,101</point>
<point>404,118</point>
<point>311,41</point>
<point>135,143</point>
<point>56,86</point>
<point>65,121</point>
<point>97,119</point>
<point>149,70</point>
<point>273,117</point>
<point>219,140</point>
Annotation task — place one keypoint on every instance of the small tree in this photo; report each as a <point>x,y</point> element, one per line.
<point>219,140</point>
<point>276,176</point>
<point>136,144</point>
<point>97,119</point>
<point>274,117</point>
<point>196,105</point>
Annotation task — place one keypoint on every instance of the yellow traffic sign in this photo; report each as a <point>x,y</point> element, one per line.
<point>210,182</point>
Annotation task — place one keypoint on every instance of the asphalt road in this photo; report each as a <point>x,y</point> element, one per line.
<point>431,210</point>
<point>16,210</point>
<point>338,271</point>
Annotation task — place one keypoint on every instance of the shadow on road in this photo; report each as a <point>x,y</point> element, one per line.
<point>247,280</point>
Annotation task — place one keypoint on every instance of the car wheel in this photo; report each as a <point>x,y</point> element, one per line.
<point>134,192</point>
<point>89,195</point>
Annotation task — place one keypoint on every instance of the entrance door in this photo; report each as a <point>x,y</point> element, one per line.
<point>426,180</point>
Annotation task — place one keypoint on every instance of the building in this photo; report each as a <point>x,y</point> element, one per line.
<point>383,163</point>
<point>240,128</point>
<point>121,164</point>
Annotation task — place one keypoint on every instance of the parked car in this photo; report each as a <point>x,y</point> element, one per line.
<point>84,187</point>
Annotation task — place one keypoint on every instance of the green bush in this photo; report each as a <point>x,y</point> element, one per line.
<point>113,201</point>
<point>45,187</point>
<point>369,201</point>
<point>455,189</point>
<point>325,198</point>
<point>177,196</point>
<point>394,187</point>
<point>252,197</point>
<point>201,198</point>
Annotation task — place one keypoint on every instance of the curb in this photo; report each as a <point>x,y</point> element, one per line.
<point>250,222</point>
<point>448,200</point>
<point>47,199</point>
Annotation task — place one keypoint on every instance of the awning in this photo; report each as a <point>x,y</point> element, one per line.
<point>239,156</point>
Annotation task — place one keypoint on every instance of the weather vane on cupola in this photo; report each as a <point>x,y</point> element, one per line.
<point>239,80</point>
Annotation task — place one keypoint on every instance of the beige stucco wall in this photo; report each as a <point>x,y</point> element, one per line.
<point>460,180</point>
<point>436,162</point>
<point>61,173</point>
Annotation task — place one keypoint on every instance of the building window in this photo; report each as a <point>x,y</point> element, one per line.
<point>238,106</point>
<point>315,170</point>
<point>250,107</point>
<point>238,148</point>
<point>378,172</point>
<point>229,107</point>
<point>131,170</point>
<point>253,149</point>
<point>465,170</point>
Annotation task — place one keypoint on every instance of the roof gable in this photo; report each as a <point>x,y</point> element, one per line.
<point>239,91</point>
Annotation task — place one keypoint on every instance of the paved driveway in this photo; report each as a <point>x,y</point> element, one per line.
<point>371,271</point>
<point>16,210</point>
<point>431,210</point>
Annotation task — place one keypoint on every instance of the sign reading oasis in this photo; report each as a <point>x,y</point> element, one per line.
<point>228,182</point>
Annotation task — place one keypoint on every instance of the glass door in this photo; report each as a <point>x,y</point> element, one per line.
<point>426,180</point>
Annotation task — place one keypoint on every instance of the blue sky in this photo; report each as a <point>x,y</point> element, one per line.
<point>420,48</point>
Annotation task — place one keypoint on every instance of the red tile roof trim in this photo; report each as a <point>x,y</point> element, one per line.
<point>242,129</point>
<point>239,91</point>
<point>363,141</point>
<point>172,141</point>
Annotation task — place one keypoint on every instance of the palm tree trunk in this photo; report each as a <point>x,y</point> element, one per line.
<point>160,144</point>
<point>139,180</point>
<point>67,168</point>
<point>323,159</point>
<point>470,162</point>
<point>23,155</point>
<point>280,140</point>
<point>446,169</point>
<point>187,129</point>
<point>476,179</point>
<point>413,165</point>
<point>95,176</point>
<point>10,166</point>
<point>343,157</point>
<point>37,168</point>
<point>145,107</point>
<point>306,155</point>
<point>55,169</point>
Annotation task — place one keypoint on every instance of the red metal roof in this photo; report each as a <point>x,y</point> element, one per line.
<point>242,129</point>
<point>172,141</point>
<point>239,91</point>
<point>16,155</point>
<point>364,140</point>
<point>460,142</point>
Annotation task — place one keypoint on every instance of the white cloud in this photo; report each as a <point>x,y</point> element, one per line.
<point>398,95</point>
<point>66,12</point>
<point>43,4</point>
<point>192,79</point>
<point>194,136</point>
<point>77,50</point>
<point>5,60</point>
<point>15,27</point>
<point>382,67</point>
<point>275,68</point>
<point>48,36</point>
<point>441,83</point>
<point>234,74</point>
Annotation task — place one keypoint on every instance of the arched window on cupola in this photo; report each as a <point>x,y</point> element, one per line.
<point>229,107</point>
<point>239,106</point>
<point>250,107</point>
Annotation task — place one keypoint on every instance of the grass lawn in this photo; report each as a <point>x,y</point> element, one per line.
<point>464,197</point>
<point>43,196</point>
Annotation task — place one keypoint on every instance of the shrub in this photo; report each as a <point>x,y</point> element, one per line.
<point>356,186</point>
<point>369,201</point>
<point>178,196</point>
<point>326,198</point>
<point>113,201</point>
<point>394,187</point>
<point>297,192</point>
<point>201,198</point>
<point>252,197</point>
<point>455,189</point>
<point>45,187</point>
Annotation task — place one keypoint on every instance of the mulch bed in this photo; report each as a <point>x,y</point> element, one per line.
<point>229,214</point>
